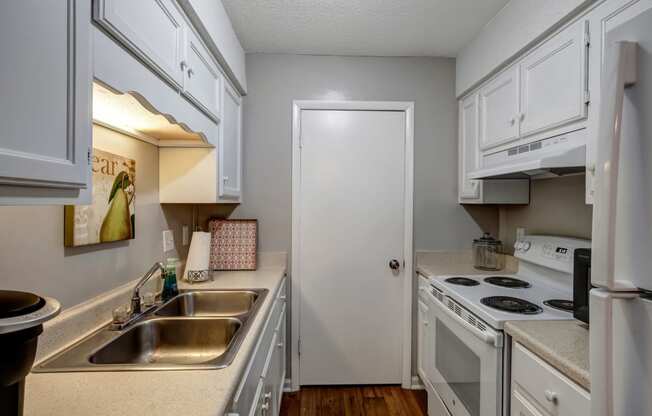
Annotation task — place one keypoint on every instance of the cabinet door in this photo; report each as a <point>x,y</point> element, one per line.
<point>279,363</point>
<point>499,110</point>
<point>153,29</point>
<point>553,82</point>
<point>258,408</point>
<point>469,189</point>
<point>231,145</point>
<point>521,407</point>
<point>203,81</point>
<point>270,378</point>
<point>45,83</point>
<point>422,339</point>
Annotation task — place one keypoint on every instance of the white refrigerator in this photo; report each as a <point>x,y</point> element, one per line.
<point>621,266</point>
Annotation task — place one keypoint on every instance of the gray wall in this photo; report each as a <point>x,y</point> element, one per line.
<point>556,207</point>
<point>275,80</point>
<point>32,255</point>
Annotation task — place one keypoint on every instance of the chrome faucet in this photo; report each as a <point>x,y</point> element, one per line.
<point>135,296</point>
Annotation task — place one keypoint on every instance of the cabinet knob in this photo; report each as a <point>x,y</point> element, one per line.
<point>591,169</point>
<point>521,116</point>
<point>190,72</point>
<point>551,396</point>
<point>512,121</point>
<point>394,264</point>
<point>183,65</point>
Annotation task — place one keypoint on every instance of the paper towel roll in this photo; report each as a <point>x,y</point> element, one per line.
<point>199,253</point>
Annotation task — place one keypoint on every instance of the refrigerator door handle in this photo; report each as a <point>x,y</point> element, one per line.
<point>606,357</point>
<point>619,74</point>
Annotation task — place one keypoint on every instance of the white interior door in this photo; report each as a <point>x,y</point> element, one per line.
<point>351,207</point>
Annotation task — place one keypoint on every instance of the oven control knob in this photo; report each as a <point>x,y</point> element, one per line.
<point>518,245</point>
<point>526,245</point>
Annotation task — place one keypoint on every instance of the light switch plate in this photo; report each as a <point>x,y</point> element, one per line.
<point>168,240</point>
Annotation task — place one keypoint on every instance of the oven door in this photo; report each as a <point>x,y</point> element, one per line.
<point>466,362</point>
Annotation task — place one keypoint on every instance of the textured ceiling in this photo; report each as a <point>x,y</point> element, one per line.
<point>359,27</point>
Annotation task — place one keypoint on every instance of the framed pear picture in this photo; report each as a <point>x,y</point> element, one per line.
<point>111,216</point>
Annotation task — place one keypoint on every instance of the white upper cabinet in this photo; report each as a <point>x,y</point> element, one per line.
<point>203,81</point>
<point>45,109</point>
<point>231,145</point>
<point>553,82</point>
<point>469,189</point>
<point>153,29</point>
<point>207,176</point>
<point>499,108</point>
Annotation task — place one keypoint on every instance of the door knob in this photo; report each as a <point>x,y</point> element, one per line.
<point>394,264</point>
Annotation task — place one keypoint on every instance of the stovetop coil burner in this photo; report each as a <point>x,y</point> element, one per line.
<point>510,304</point>
<point>561,304</point>
<point>462,281</point>
<point>505,281</point>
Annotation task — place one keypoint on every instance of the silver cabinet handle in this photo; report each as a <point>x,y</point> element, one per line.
<point>190,72</point>
<point>394,264</point>
<point>551,396</point>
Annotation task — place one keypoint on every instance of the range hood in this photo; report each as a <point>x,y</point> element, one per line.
<point>543,159</point>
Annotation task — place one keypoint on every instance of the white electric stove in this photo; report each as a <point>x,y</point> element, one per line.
<point>467,353</point>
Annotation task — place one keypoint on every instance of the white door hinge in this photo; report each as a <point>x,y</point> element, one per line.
<point>299,347</point>
<point>88,156</point>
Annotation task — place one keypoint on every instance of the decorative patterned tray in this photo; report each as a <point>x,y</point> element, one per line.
<point>234,244</point>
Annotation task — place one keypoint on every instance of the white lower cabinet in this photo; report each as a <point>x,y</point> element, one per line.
<point>261,389</point>
<point>537,389</point>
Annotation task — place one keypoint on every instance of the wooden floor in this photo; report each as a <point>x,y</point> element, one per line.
<point>354,401</point>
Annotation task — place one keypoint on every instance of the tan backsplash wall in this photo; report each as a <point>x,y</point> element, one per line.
<point>556,207</point>
<point>32,255</point>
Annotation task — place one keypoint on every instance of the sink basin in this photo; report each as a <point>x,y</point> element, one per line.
<point>210,303</point>
<point>200,329</point>
<point>170,341</point>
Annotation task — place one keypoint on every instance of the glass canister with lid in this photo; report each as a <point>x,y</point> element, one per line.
<point>488,253</point>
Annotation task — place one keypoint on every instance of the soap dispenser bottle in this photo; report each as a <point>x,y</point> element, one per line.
<point>170,289</point>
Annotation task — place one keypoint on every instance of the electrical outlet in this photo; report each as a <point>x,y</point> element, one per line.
<point>168,240</point>
<point>185,235</point>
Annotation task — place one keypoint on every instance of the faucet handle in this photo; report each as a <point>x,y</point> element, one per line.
<point>121,314</point>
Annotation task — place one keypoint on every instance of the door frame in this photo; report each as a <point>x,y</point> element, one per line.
<point>407,107</point>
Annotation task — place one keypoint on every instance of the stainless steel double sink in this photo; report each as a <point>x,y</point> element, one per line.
<point>194,330</point>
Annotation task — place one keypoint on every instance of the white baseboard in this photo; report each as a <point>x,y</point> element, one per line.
<point>287,386</point>
<point>417,384</point>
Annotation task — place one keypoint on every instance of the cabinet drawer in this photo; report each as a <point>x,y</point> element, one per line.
<point>550,389</point>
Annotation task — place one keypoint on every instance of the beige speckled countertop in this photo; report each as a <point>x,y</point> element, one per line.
<point>198,392</point>
<point>433,263</point>
<point>562,344</point>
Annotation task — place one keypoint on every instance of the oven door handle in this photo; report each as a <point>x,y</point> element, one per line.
<point>486,336</point>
